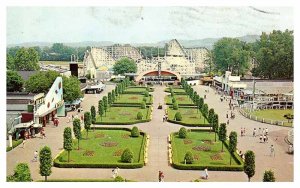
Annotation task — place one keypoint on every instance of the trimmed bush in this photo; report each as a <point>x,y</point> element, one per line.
<point>269,176</point>
<point>135,132</point>
<point>143,105</point>
<point>146,94</point>
<point>173,100</point>
<point>127,156</point>
<point>189,157</point>
<point>178,116</point>
<point>139,116</point>
<point>175,106</point>
<point>182,132</point>
<point>119,179</point>
<point>145,99</point>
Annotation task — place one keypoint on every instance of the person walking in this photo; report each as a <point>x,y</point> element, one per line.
<point>244,131</point>
<point>267,131</point>
<point>228,122</point>
<point>164,118</point>
<point>69,119</point>
<point>159,176</point>
<point>259,131</point>
<point>260,138</point>
<point>227,115</point>
<point>206,173</point>
<point>254,132</point>
<point>35,156</point>
<point>113,173</point>
<point>241,131</point>
<point>272,151</point>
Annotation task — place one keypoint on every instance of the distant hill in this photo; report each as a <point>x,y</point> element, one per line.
<point>206,42</point>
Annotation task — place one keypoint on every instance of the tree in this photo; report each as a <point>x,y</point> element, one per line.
<point>71,88</point>
<point>274,55</point>
<point>222,133</point>
<point>178,116</point>
<point>93,114</point>
<point>123,66</point>
<point>127,156</point>
<point>175,105</point>
<point>211,113</point>
<point>204,111</point>
<point>189,159</point>
<point>201,102</point>
<point>215,125</point>
<point>139,116</point>
<point>87,122</point>
<point>249,164</point>
<point>269,176</point>
<point>21,173</point>
<point>10,62</point>
<point>105,104</point>
<point>41,82</point>
<point>77,129</point>
<point>231,54</point>
<point>109,99</point>
<point>26,59</point>
<point>68,143</point>
<point>146,94</point>
<point>45,162</point>
<point>14,82</point>
<point>232,143</point>
<point>100,108</point>
<point>113,96</point>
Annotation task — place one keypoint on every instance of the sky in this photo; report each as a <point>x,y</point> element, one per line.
<point>140,24</point>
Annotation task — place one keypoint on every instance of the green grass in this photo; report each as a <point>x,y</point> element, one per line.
<point>132,98</point>
<point>123,115</point>
<point>272,114</point>
<point>135,89</point>
<point>189,116</point>
<point>181,99</point>
<point>201,157</point>
<point>175,90</point>
<point>102,154</point>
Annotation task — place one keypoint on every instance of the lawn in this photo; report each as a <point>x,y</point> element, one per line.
<point>136,89</point>
<point>206,152</point>
<point>272,114</point>
<point>190,117</point>
<point>132,98</point>
<point>181,99</point>
<point>123,115</point>
<point>104,147</point>
<point>176,90</point>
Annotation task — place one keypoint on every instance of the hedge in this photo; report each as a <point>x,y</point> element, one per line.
<point>15,144</point>
<point>140,164</point>
<point>189,125</point>
<point>239,167</point>
<point>182,105</point>
<point>147,119</point>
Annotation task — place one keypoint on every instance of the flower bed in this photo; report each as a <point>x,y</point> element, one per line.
<point>95,155</point>
<point>206,152</point>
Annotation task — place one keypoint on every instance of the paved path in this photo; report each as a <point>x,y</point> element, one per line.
<point>157,153</point>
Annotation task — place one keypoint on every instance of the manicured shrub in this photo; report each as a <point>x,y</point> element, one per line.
<point>269,176</point>
<point>175,106</point>
<point>139,116</point>
<point>127,156</point>
<point>135,132</point>
<point>146,94</point>
<point>119,179</point>
<point>145,99</point>
<point>143,105</point>
<point>45,162</point>
<point>178,116</point>
<point>249,164</point>
<point>21,173</point>
<point>189,157</point>
<point>182,132</point>
<point>173,100</point>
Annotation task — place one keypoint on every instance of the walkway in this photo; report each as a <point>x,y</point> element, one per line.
<point>157,153</point>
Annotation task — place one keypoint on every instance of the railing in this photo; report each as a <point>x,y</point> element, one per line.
<point>265,120</point>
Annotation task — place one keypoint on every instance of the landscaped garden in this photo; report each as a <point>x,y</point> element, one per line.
<point>104,149</point>
<point>133,99</point>
<point>137,89</point>
<point>205,152</point>
<point>190,117</point>
<point>181,100</point>
<point>176,90</point>
<point>124,115</point>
